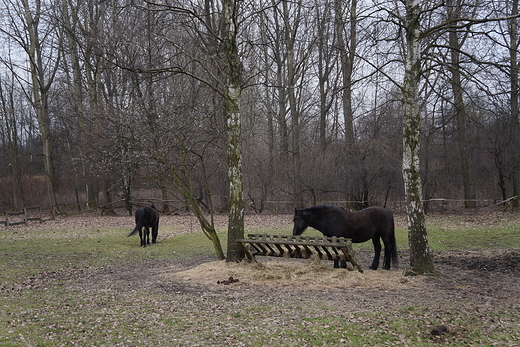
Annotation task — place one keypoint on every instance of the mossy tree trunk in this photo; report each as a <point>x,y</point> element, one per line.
<point>232,93</point>
<point>420,260</point>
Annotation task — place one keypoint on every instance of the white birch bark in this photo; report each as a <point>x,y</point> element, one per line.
<point>420,260</point>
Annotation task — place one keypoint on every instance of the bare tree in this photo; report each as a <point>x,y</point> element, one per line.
<point>347,49</point>
<point>326,68</point>
<point>515,111</point>
<point>26,23</point>
<point>420,259</point>
<point>454,13</point>
<point>290,31</point>
<point>10,132</point>
<point>71,23</point>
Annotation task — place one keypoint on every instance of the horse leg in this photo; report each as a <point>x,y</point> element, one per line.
<point>155,231</point>
<point>147,234</point>
<point>388,253</point>
<point>142,236</point>
<point>377,252</point>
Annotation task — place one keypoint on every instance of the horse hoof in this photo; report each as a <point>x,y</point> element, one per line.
<point>372,267</point>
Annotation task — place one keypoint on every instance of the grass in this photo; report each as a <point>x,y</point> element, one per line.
<point>60,287</point>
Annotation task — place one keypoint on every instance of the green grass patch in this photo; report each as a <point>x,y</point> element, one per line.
<point>473,237</point>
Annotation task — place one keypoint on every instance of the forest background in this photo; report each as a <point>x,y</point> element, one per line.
<point>104,101</point>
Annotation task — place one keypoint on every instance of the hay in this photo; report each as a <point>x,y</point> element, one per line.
<point>280,272</point>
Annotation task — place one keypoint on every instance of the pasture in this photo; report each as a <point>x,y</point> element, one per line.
<point>80,281</point>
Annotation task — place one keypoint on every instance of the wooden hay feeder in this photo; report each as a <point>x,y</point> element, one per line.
<point>338,249</point>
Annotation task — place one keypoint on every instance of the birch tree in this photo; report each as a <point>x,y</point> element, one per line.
<point>420,259</point>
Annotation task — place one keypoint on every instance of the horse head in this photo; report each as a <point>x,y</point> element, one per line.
<point>299,221</point>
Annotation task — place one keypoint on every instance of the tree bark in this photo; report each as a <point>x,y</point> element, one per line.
<point>232,95</point>
<point>420,260</point>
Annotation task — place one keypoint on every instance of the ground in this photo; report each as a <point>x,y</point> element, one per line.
<point>470,286</point>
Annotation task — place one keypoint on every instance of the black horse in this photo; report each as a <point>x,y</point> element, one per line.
<point>146,217</point>
<point>371,223</point>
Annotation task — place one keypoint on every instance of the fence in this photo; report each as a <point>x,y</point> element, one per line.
<point>174,206</point>
<point>23,217</point>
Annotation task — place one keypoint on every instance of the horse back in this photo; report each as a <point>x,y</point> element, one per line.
<point>383,218</point>
<point>363,225</point>
<point>146,216</point>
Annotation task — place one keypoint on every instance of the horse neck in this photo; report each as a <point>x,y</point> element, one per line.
<point>316,222</point>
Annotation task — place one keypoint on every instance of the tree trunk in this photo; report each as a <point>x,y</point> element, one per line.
<point>232,94</point>
<point>70,21</point>
<point>40,88</point>
<point>290,34</point>
<point>269,112</point>
<point>460,111</point>
<point>347,53</point>
<point>325,67</point>
<point>515,125</point>
<point>420,260</point>
<point>11,132</point>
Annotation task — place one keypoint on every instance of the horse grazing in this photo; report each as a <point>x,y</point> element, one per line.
<point>371,223</point>
<point>146,217</point>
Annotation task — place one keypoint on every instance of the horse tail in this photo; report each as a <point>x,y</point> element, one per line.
<point>139,216</point>
<point>136,229</point>
<point>393,253</point>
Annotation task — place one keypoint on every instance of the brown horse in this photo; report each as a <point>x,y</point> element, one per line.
<point>374,223</point>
